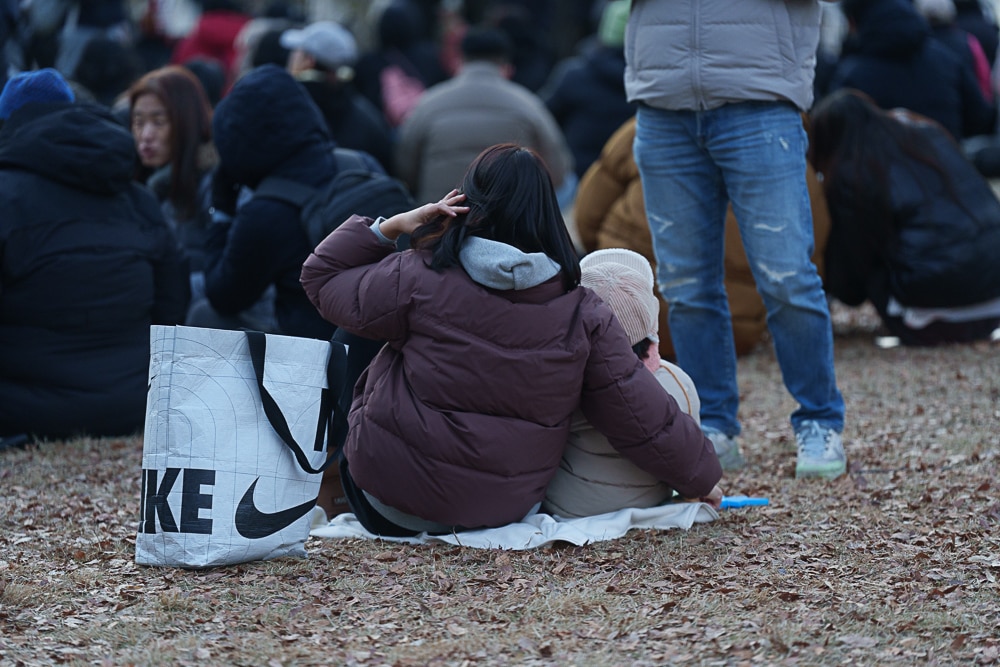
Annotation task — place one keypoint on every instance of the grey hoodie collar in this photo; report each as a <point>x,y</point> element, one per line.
<point>504,267</point>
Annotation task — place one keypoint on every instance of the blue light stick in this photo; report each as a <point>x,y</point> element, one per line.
<point>731,502</point>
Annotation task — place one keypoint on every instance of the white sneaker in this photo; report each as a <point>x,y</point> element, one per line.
<point>821,452</point>
<point>727,448</point>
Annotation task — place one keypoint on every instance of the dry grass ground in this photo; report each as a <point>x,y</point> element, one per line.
<point>896,563</point>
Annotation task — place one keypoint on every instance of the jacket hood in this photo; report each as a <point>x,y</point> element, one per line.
<point>891,29</point>
<point>79,145</point>
<point>267,119</point>
<point>504,267</point>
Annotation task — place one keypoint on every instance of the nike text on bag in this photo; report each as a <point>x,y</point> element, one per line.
<point>224,476</point>
<point>357,189</point>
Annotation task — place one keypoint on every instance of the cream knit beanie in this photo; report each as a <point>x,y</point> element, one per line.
<point>624,280</point>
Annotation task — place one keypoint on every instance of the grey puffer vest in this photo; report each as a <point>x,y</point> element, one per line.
<point>702,54</point>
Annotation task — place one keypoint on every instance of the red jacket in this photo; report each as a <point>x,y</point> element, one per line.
<point>213,38</point>
<point>463,417</point>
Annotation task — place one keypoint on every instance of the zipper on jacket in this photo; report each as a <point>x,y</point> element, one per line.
<point>696,55</point>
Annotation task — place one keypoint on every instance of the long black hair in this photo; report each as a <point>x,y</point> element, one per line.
<point>848,128</point>
<point>511,200</point>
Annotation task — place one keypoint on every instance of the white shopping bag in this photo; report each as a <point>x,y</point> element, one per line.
<point>239,426</point>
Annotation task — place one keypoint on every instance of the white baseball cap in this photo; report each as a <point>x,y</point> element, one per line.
<point>331,44</point>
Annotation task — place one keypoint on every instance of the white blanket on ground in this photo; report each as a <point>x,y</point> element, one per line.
<point>537,530</point>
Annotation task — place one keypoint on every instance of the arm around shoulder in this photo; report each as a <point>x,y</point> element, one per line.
<point>626,403</point>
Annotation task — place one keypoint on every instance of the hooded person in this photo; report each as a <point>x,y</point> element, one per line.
<point>891,56</point>
<point>593,477</point>
<point>266,126</point>
<point>87,264</point>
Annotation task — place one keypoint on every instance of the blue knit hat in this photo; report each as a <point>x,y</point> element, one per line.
<point>44,85</point>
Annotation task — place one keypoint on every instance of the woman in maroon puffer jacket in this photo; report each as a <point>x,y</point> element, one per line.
<point>462,418</point>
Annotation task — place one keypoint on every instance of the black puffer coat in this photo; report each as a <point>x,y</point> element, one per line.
<point>87,263</point>
<point>926,240</point>
<point>586,95</point>
<point>894,59</point>
<point>267,126</point>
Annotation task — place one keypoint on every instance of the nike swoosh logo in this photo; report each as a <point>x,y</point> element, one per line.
<point>253,524</point>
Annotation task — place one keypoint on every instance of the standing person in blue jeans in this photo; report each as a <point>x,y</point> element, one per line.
<point>720,87</point>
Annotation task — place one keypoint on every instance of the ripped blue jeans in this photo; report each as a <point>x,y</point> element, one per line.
<point>692,163</point>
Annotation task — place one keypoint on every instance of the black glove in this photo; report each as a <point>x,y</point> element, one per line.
<point>225,192</point>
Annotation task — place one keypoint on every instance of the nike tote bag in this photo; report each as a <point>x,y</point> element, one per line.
<point>239,427</point>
